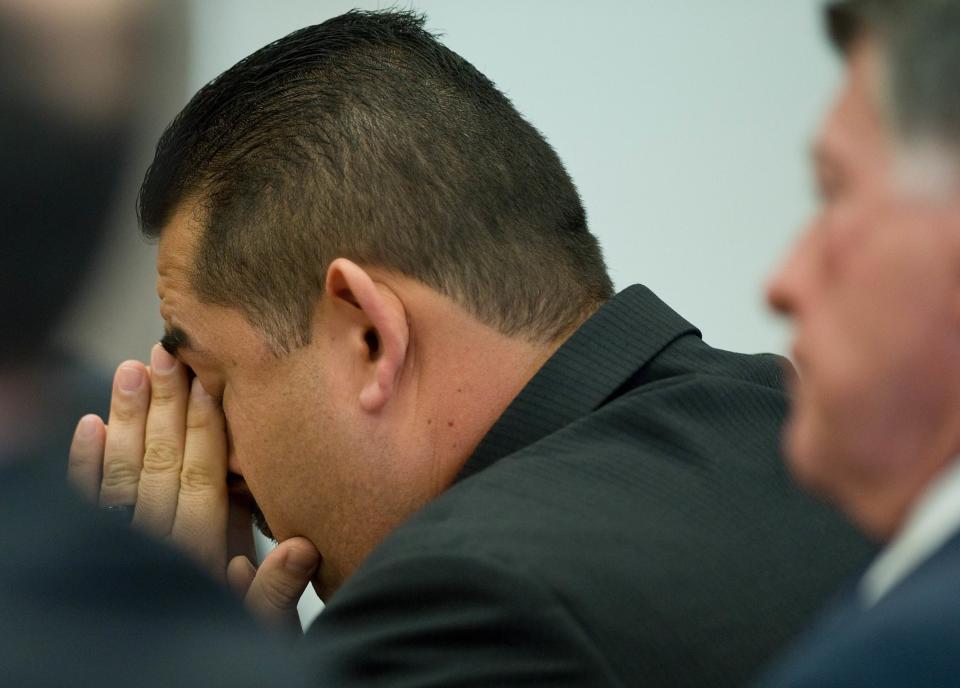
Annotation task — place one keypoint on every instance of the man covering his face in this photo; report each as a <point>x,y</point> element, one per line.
<point>510,475</point>
<point>873,290</point>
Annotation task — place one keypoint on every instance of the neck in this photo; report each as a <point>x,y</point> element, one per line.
<point>888,502</point>
<point>466,374</point>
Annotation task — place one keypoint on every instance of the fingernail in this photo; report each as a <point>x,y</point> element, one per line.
<point>160,360</point>
<point>197,392</point>
<point>129,378</point>
<point>300,561</point>
<point>87,427</point>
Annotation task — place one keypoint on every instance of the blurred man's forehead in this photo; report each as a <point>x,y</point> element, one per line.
<point>855,126</point>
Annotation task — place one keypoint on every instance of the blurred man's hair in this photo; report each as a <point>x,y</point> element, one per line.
<point>364,137</point>
<point>920,44</point>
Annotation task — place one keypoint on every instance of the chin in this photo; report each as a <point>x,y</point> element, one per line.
<point>322,585</point>
<point>803,452</point>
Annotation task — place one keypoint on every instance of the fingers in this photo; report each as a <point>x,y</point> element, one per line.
<point>240,575</point>
<point>200,525</point>
<point>123,449</point>
<point>163,444</point>
<point>84,467</point>
<point>281,580</point>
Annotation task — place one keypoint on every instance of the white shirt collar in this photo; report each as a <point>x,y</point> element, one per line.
<point>931,522</point>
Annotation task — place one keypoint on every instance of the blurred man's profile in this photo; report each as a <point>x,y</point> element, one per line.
<point>873,290</point>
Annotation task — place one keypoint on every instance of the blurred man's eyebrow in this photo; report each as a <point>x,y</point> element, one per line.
<point>818,156</point>
<point>822,157</point>
<point>175,339</point>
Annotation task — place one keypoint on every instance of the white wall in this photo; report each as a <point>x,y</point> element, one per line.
<point>685,125</point>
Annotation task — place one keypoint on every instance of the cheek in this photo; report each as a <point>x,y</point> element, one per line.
<point>250,432</point>
<point>276,449</point>
<point>828,443</point>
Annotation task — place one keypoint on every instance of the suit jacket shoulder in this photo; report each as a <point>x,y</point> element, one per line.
<point>85,601</point>
<point>634,491</point>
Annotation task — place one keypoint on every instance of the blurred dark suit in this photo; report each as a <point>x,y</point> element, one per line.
<point>88,602</point>
<point>910,637</point>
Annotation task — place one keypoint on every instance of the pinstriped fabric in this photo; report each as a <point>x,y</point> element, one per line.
<point>627,521</point>
<point>602,355</point>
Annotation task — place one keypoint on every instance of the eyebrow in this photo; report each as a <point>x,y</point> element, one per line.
<point>175,340</point>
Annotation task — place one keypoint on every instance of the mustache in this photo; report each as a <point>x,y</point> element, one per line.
<point>240,493</point>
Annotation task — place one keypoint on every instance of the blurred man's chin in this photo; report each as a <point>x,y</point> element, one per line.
<point>802,451</point>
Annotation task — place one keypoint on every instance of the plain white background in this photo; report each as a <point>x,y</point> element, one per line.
<point>685,125</point>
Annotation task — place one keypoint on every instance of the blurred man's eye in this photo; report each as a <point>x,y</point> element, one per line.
<point>829,188</point>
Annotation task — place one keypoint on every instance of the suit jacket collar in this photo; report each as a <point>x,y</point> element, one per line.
<point>620,338</point>
<point>933,520</point>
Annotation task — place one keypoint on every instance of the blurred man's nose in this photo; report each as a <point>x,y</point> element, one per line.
<point>784,285</point>
<point>778,296</point>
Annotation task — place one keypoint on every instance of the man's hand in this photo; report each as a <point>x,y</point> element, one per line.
<point>272,591</point>
<point>164,452</point>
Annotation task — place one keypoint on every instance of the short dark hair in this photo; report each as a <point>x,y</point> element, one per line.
<point>845,24</point>
<point>920,47</point>
<point>364,137</point>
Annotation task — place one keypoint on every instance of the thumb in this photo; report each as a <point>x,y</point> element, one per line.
<point>240,575</point>
<point>276,587</point>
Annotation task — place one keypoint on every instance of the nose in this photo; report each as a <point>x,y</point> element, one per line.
<point>786,284</point>
<point>778,295</point>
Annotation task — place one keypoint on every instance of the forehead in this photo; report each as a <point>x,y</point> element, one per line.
<point>175,256</point>
<point>856,125</point>
<point>178,240</point>
<point>215,330</point>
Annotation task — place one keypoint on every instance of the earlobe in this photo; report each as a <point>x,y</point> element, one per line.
<point>384,334</point>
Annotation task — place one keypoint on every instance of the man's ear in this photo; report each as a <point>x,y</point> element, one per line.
<point>385,334</point>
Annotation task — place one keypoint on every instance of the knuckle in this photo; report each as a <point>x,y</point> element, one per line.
<point>199,418</point>
<point>196,478</point>
<point>279,593</point>
<point>126,412</point>
<point>119,474</point>
<point>165,391</point>
<point>161,456</point>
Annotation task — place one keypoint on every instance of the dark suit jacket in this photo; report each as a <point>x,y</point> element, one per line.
<point>910,637</point>
<point>626,522</point>
<point>89,602</point>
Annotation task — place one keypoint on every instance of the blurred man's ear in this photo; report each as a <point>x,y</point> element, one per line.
<point>379,329</point>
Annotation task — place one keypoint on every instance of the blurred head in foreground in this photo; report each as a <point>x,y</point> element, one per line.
<point>67,76</point>
<point>873,284</point>
<point>66,92</point>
